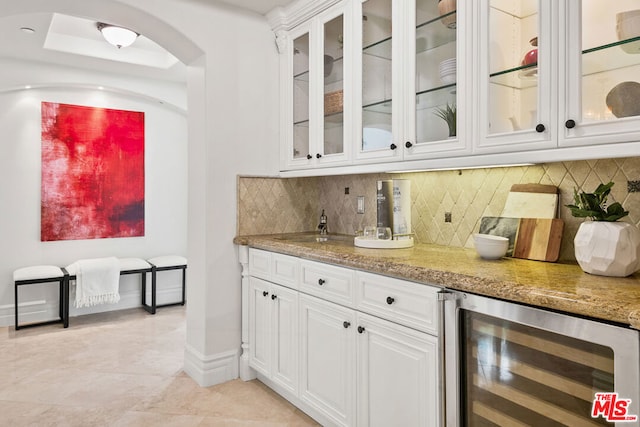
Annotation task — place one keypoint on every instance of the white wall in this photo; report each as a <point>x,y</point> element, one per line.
<point>20,166</point>
<point>233,129</point>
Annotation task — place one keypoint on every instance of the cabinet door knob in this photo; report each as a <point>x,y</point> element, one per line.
<point>321,282</point>
<point>408,144</point>
<point>318,155</point>
<point>346,324</point>
<point>360,329</point>
<point>273,296</point>
<point>309,157</point>
<point>393,146</point>
<point>570,124</point>
<point>540,128</point>
<point>265,293</point>
<point>390,300</point>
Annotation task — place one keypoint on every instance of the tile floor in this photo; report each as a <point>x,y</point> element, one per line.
<point>122,369</point>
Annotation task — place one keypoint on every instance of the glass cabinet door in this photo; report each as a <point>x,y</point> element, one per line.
<point>332,66</point>
<point>376,132</point>
<point>436,78</point>
<point>603,71</point>
<point>301,148</point>
<point>516,73</point>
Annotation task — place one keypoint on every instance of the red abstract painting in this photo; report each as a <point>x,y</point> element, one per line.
<point>92,173</point>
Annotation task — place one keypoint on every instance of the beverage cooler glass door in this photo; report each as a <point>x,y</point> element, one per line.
<point>513,365</point>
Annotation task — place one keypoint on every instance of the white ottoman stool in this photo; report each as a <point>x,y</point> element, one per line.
<point>44,274</point>
<point>164,263</point>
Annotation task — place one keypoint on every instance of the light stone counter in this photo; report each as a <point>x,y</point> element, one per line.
<point>562,287</point>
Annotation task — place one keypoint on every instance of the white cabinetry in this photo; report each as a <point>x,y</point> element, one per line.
<point>547,80</point>
<point>328,359</point>
<point>315,120</point>
<point>533,82</point>
<point>273,331</point>
<point>348,347</point>
<point>397,381</point>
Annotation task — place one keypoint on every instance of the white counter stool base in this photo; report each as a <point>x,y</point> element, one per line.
<point>164,263</point>
<point>43,274</point>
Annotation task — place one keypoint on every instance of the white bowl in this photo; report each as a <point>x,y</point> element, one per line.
<point>489,246</point>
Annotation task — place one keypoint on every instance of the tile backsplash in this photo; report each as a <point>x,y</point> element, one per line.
<point>283,205</point>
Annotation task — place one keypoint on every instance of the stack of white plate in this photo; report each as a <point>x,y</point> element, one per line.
<point>448,70</point>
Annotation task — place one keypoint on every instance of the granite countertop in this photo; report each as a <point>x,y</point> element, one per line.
<point>557,286</point>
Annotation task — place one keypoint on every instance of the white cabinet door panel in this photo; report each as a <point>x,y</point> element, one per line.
<point>285,337</point>
<point>328,359</point>
<point>260,325</point>
<point>397,375</point>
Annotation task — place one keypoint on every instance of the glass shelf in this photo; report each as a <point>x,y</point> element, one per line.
<point>522,77</point>
<point>600,59</point>
<point>433,34</point>
<point>302,77</point>
<point>380,49</point>
<point>302,124</point>
<point>612,56</point>
<point>436,97</point>
<point>383,106</point>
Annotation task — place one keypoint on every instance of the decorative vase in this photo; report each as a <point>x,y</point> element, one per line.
<point>445,7</point>
<point>531,57</point>
<point>608,248</point>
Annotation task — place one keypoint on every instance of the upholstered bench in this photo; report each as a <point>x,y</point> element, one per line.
<point>43,274</point>
<point>164,263</point>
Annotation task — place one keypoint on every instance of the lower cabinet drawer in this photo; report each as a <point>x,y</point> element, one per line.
<point>284,270</point>
<point>335,284</point>
<point>260,263</point>
<point>407,303</point>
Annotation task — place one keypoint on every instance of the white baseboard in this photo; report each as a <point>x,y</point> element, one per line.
<point>43,310</point>
<point>211,369</point>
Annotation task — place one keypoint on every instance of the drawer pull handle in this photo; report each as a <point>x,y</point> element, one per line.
<point>390,300</point>
<point>273,296</point>
<point>321,282</point>
<point>346,324</point>
<point>360,329</point>
<point>265,293</point>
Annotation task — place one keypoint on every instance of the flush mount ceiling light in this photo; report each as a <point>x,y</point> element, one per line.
<point>117,36</point>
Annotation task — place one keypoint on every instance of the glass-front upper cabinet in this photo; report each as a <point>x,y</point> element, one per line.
<point>602,101</point>
<point>314,93</point>
<point>517,45</point>
<point>436,78</point>
<point>300,95</point>
<point>379,129</point>
<point>333,63</point>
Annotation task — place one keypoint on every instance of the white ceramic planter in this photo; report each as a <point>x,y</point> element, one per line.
<point>608,248</point>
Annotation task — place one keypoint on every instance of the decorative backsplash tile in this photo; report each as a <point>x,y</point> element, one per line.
<point>282,205</point>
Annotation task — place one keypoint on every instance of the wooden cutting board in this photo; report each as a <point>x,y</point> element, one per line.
<point>531,201</point>
<point>529,238</point>
<point>539,239</point>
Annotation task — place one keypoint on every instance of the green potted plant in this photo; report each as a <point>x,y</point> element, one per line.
<point>604,246</point>
<point>448,114</point>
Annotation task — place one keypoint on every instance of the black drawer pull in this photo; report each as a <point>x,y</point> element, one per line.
<point>360,329</point>
<point>390,300</point>
<point>321,282</point>
<point>346,324</point>
<point>273,296</point>
<point>265,293</point>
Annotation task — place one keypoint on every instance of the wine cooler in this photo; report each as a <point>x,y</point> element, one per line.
<point>508,364</point>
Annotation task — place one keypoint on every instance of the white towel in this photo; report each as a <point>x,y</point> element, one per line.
<point>97,281</point>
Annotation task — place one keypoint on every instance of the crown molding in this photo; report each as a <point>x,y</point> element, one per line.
<point>297,12</point>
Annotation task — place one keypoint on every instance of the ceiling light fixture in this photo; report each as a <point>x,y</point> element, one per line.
<point>117,36</point>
